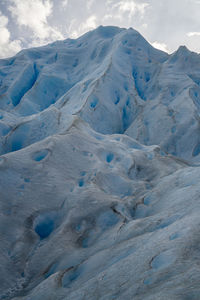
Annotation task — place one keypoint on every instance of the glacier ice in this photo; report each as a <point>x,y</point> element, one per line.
<point>99,170</point>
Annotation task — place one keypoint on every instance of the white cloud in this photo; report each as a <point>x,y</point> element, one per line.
<point>89,4</point>
<point>64,3</point>
<point>7,46</point>
<point>89,24</point>
<point>34,14</point>
<point>160,46</point>
<point>195,33</point>
<point>129,6</point>
<point>109,17</point>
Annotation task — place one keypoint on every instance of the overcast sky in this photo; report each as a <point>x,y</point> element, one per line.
<point>166,24</point>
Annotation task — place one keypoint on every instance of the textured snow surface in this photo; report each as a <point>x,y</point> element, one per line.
<point>99,173</point>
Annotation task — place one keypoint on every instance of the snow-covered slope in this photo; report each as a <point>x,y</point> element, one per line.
<point>92,203</point>
<point>110,72</point>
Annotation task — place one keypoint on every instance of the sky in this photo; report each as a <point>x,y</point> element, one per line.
<point>166,24</point>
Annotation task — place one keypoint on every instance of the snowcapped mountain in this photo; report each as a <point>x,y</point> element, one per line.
<point>99,174</point>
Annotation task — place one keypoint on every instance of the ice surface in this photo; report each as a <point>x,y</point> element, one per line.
<point>99,173</point>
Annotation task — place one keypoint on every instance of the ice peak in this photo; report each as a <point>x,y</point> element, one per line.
<point>103,32</point>
<point>183,50</point>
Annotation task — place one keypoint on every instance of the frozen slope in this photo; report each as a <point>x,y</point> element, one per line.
<point>90,208</point>
<point>108,72</point>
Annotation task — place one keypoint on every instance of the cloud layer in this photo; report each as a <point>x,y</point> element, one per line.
<point>7,46</point>
<point>165,24</point>
<point>33,15</point>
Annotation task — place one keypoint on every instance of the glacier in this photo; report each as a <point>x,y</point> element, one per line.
<point>99,170</point>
